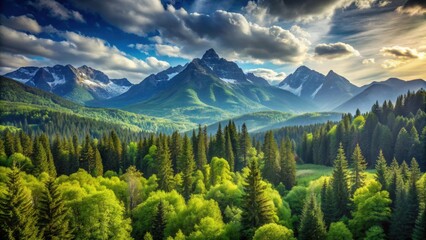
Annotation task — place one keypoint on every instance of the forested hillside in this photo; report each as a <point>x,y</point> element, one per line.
<point>229,185</point>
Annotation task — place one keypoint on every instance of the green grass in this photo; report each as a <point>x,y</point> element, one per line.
<point>306,173</point>
<point>309,172</point>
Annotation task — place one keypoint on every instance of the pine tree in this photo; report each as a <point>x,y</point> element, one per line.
<point>419,232</point>
<point>228,152</point>
<point>270,150</point>
<point>311,223</point>
<point>50,162</point>
<point>339,182</point>
<point>412,207</point>
<point>188,167</point>
<point>9,145</point>
<point>97,168</point>
<point>245,145</point>
<point>201,150</point>
<point>257,208</point>
<point>287,172</point>
<point>220,143</point>
<point>327,204</point>
<point>39,158</point>
<point>164,168</point>
<point>52,220</point>
<point>381,170</point>
<point>359,165</point>
<point>159,223</point>
<point>17,215</point>
<point>402,145</point>
<point>395,181</point>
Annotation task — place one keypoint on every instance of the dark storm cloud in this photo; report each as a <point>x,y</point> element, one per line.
<point>413,7</point>
<point>335,51</point>
<point>297,9</point>
<point>190,34</point>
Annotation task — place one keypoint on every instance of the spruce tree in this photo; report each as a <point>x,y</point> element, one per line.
<point>201,150</point>
<point>339,182</point>
<point>327,204</point>
<point>220,143</point>
<point>270,150</point>
<point>52,214</point>
<point>50,162</point>
<point>395,181</point>
<point>287,172</point>
<point>358,167</point>
<point>175,149</point>
<point>257,208</point>
<point>228,152</point>
<point>159,223</point>
<point>164,167</point>
<point>311,223</point>
<point>419,232</point>
<point>412,207</point>
<point>245,145</point>
<point>17,214</point>
<point>188,167</point>
<point>39,158</point>
<point>382,171</point>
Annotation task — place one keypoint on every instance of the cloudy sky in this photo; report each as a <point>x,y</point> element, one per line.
<point>363,40</point>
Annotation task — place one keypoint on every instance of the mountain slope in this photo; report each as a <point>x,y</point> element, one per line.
<point>335,90</point>
<point>17,96</point>
<point>207,90</point>
<point>380,91</point>
<point>77,84</point>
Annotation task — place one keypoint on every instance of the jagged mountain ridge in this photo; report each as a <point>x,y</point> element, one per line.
<point>77,84</point>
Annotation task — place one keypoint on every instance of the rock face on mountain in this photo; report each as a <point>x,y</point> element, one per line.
<point>304,82</point>
<point>77,84</point>
<point>326,92</point>
<point>206,88</point>
<point>212,88</point>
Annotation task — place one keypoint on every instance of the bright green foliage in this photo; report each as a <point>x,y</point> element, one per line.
<point>375,233</point>
<point>340,184</point>
<point>271,166</point>
<point>159,223</point>
<point>358,167</point>
<point>220,171</point>
<point>133,179</point>
<point>339,231</point>
<point>17,215</point>
<point>371,208</point>
<point>381,170</point>
<point>287,174</point>
<point>95,212</point>
<point>20,161</point>
<point>312,225</point>
<point>188,167</point>
<point>164,168</point>
<point>194,216</point>
<point>53,215</point>
<point>144,214</point>
<point>257,207</point>
<point>272,231</point>
<point>148,236</point>
<point>225,194</point>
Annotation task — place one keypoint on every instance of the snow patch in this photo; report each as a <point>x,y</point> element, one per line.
<point>229,80</point>
<point>295,91</point>
<point>172,75</point>
<point>316,91</point>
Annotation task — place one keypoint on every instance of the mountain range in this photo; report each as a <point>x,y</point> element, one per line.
<point>80,85</point>
<point>210,89</point>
